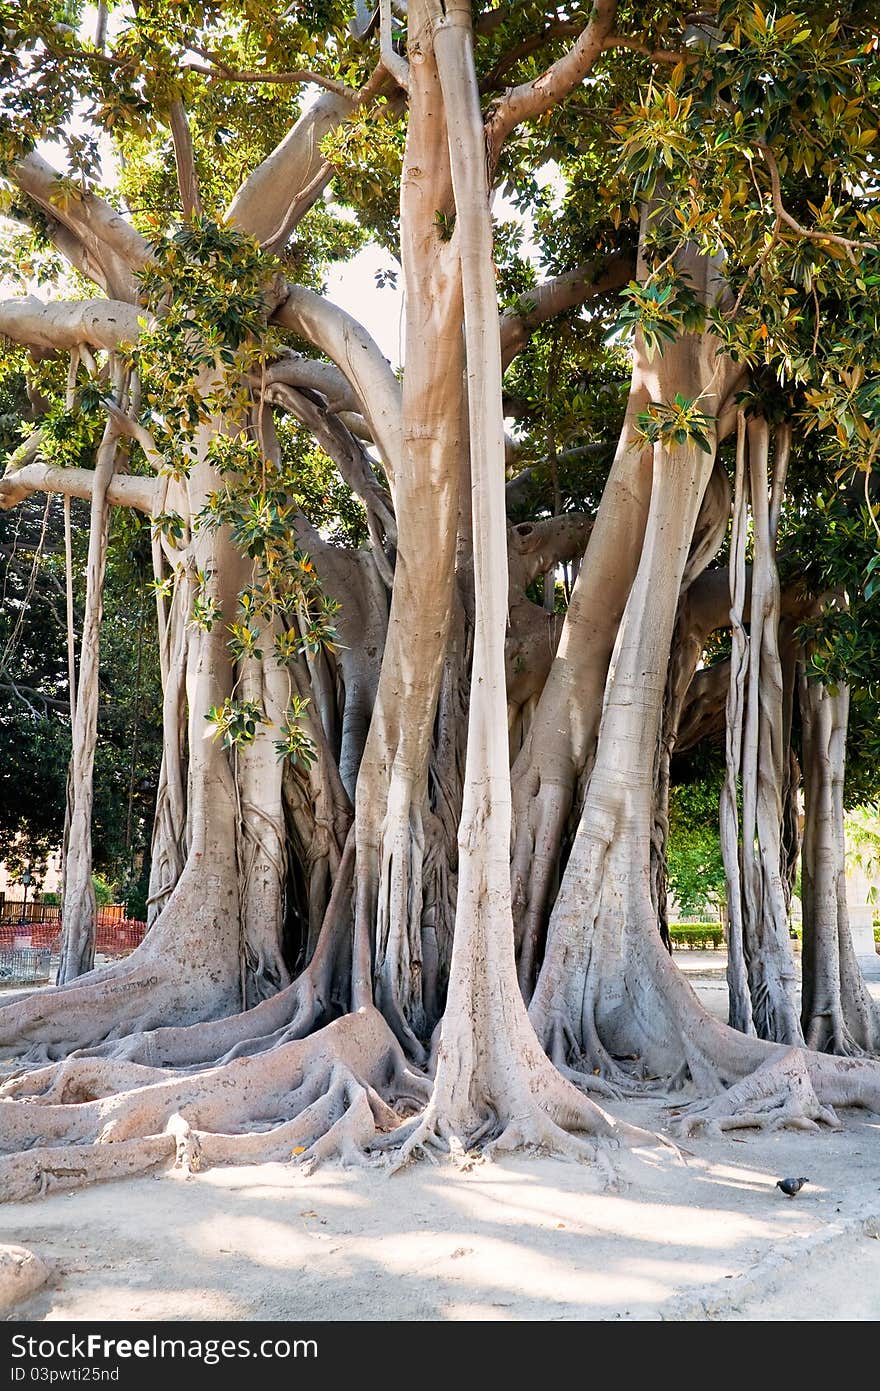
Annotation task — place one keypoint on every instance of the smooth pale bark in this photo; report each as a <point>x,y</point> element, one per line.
<point>739,997</point>
<point>762,918</point>
<point>281,190</point>
<point>169,842</point>
<point>261,838</point>
<point>94,323</point>
<point>604,905</point>
<point>530,99</point>
<point>122,491</point>
<point>347,342</point>
<point>393,781</point>
<point>554,296</point>
<point>838,1013</point>
<point>492,1078</point>
<point>87,230</point>
<point>189,965</point>
<point>608,987</point>
<point>562,734</point>
<point>78,895</point>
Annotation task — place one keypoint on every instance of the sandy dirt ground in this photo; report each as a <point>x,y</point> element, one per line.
<point>703,1236</point>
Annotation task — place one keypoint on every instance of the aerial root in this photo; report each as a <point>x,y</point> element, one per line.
<point>328,1096</point>
<point>779,1094</point>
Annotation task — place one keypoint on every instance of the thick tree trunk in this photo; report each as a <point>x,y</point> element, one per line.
<point>838,1013</point>
<point>591,985</point>
<point>560,745</point>
<point>492,1079</point>
<point>393,937</point>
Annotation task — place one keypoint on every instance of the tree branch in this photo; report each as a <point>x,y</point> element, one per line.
<point>221,71</point>
<point>280,191</point>
<point>784,216</point>
<point>353,463</point>
<point>95,323</point>
<point>563,28</point>
<point>125,490</point>
<point>533,548</point>
<point>357,355</point>
<point>311,374</point>
<point>656,55</point>
<point>555,296</point>
<point>103,232</point>
<point>533,98</point>
<point>184,159</point>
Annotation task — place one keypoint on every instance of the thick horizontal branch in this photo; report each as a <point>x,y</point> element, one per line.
<point>533,548</point>
<point>563,292</point>
<point>61,324</point>
<point>704,713</point>
<point>358,356</point>
<point>125,490</point>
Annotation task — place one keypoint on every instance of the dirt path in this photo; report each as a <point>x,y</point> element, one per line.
<point>708,1236</point>
<point>526,1239</point>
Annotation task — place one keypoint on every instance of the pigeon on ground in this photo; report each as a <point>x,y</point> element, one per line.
<point>791,1186</point>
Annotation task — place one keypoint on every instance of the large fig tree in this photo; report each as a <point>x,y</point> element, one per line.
<point>420,726</point>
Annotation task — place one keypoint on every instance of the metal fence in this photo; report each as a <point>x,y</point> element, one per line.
<point>30,938</point>
<point>25,965</point>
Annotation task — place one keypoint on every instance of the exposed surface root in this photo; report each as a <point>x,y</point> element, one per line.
<point>533,1108</point>
<point>291,1014</point>
<point>328,1095</point>
<point>171,977</point>
<point>538,1131</point>
<point>779,1094</point>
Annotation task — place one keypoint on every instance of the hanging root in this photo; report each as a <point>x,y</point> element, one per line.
<point>779,1094</point>
<point>326,1096</point>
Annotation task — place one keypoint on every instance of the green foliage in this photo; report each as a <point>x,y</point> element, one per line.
<point>706,936</point>
<point>235,721</point>
<point>294,742</point>
<point>694,864</point>
<point>105,892</point>
<point>662,308</point>
<point>678,423</point>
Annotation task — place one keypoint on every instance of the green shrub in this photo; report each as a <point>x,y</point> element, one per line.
<point>105,893</point>
<point>697,936</point>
